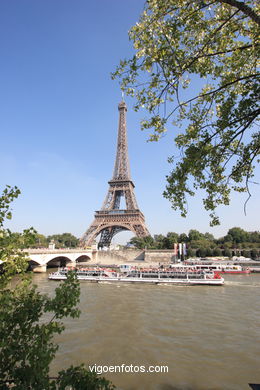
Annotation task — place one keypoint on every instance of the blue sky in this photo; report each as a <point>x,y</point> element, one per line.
<point>59,118</point>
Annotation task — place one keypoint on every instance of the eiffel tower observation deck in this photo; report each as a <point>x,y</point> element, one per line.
<point>112,218</point>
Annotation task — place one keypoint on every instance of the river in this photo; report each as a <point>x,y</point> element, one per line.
<point>208,337</point>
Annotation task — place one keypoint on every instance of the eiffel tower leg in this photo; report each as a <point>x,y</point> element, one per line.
<point>106,237</point>
<point>88,238</point>
<point>140,230</point>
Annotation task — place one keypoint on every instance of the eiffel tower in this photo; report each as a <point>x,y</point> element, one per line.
<point>112,218</point>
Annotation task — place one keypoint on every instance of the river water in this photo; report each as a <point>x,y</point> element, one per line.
<point>208,336</point>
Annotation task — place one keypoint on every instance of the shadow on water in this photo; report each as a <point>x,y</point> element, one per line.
<point>172,387</point>
<point>184,387</point>
<point>188,387</point>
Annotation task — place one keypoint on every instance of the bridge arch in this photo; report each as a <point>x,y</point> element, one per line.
<point>33,264</point>
<point>58,261</point>
<point>83,259</point>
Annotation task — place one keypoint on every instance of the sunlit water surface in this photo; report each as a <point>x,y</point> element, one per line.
<point>209,337</point>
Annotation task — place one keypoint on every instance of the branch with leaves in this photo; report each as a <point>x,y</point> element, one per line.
<point>196,70</point>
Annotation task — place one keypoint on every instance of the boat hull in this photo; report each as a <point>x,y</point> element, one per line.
<point>234,272</point>
<point>164,281</point>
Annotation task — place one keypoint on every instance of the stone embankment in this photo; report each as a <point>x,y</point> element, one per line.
<point>134,256</point>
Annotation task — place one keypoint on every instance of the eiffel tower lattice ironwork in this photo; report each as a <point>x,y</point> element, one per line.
<point>112,219</point>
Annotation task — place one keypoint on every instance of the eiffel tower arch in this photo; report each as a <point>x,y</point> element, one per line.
<point>112,218</point>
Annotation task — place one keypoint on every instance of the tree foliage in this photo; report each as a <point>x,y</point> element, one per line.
<point>196,66</point>
<point>13,258</point>
<point>29,320</point>
<point>64,240</point>
<point>40,241</point>
<point>27,346</point>
<point>205,244</point>
<point>81,379</point>
<point>238,235</point>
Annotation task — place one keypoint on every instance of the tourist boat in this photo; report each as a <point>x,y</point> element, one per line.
<point>222,268</point>
<point>140,275</point>
<point>233,269</point>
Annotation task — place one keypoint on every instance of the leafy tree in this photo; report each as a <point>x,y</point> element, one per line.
<point>183,237</point>
<point>196,66</point>
<point>209,252</point>
<point>170,239</point>
<point>81,379</point>
<point>227,253</point>
<point>29,320</point>
<point>246,253</point>
<point>254,254</point>
<point>191,252</point>
<point>228,238</point>
<point>40,241</point>
<point>209,236</point>
<point>217,252</point>
<point>254,237</point>
<point>12,256</point>
<point>65,240</point>
<point>159,241</point>
<point>227,245</point>
<point>143,242</point>
<point>136,242</point>
<point>201,252</point>
<point>238,235</point>
<point>195,235</point>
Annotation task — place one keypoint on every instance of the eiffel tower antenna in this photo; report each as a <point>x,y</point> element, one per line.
<point>113,218</point>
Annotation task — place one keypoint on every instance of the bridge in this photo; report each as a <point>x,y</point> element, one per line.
<point>40,259</point>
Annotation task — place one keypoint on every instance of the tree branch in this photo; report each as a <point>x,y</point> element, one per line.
<point>220,88</point>
<point>243,8</point>
<point>213,33</point>
<point>227,51</point>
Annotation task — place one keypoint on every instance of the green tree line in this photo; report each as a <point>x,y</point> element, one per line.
<point>64,240</point>
<point>236,242</point>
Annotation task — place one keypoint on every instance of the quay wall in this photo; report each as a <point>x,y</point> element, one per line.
<point>134,255</point>
<point>159,256</point>
<point>119,256</point>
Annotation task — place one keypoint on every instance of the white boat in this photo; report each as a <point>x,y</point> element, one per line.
<point>221,268</point>
<point>139,275</point>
